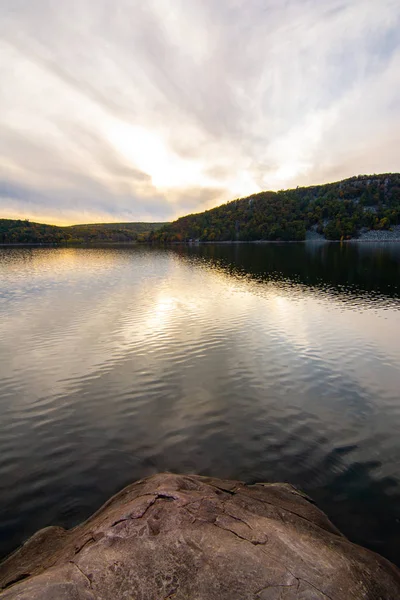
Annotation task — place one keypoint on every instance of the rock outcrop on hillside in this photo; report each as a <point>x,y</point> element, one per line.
<point>337,211</point>
<point>182,537</point>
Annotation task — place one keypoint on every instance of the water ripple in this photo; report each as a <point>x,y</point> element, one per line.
<point>263,363</point>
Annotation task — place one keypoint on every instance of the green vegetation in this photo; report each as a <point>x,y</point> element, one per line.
<point>25,232</point>
<point>335,210</point>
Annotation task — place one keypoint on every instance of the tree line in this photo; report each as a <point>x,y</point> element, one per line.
<point>336,210</point>
<point>17,231</point>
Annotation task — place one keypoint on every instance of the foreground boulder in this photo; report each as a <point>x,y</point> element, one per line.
<point>190,537</point>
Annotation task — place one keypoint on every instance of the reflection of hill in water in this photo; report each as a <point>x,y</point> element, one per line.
<point>249,361</point>
<point>359,490</point>
<point>363,272</point>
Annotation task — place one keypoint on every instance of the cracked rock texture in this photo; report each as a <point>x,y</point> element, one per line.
<point>181,537</point>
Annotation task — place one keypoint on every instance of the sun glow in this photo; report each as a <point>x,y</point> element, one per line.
<point>146,151</point>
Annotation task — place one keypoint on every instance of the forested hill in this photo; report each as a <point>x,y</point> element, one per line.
<point>336,210</point>
<point>26,232</point>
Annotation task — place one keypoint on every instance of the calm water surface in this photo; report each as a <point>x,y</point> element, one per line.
<point>257,362</point>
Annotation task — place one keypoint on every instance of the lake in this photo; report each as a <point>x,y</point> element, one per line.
<point>261,362</point>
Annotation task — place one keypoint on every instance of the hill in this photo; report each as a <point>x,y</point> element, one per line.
<point>27,232</point>
<point>337,211</point>
<point>340,210</point>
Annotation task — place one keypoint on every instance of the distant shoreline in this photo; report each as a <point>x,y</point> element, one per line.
<point>216,242</point>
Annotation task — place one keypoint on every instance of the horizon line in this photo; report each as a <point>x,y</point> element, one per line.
<point>60,223</point>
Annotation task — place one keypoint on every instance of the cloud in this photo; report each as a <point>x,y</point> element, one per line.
<point>132,110</point>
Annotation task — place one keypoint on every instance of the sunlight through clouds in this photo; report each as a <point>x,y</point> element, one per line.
<point>146,111</point>
<point>145,150</point>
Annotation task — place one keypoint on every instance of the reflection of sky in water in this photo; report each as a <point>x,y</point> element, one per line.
<point>176,360</point>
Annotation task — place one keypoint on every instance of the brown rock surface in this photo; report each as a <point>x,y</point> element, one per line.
<point>180,537</point>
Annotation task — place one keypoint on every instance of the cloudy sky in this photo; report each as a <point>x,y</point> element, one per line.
<point>126,110</point>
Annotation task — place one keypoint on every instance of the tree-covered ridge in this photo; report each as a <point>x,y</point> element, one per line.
<point>26,232</point>
<point>336,210</point>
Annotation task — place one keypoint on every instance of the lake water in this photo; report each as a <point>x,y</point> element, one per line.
<point>275,362</point>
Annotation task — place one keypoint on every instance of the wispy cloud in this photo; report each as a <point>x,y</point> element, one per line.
<point>144,111</point>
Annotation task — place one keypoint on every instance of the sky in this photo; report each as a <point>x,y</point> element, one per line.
<point>132,110</point>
